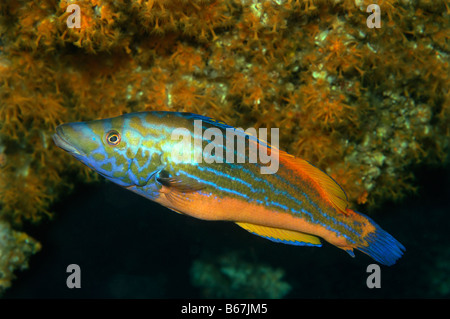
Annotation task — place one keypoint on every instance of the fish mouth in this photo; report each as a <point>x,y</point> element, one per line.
<point>61,141</point>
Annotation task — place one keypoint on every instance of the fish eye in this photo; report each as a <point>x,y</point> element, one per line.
<point>113,138</point>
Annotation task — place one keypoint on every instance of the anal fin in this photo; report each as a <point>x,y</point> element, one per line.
<point>282,235</point>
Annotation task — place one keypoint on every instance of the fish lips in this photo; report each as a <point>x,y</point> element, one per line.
<point>61,141</point>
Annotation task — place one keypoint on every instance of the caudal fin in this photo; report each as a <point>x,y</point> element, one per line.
<point>382,247</point>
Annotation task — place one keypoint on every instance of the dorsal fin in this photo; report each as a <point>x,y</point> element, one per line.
<point>326,185</point>
<point>206,119</point>
<point>281,235</point>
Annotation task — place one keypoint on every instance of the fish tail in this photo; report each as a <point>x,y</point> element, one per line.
<point>380,245</point>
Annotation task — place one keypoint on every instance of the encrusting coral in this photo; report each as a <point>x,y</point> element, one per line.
<point>15,249</point>
<point>364,104</point>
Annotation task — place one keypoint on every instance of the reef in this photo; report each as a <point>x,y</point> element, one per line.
<point>15,249</point>
<point>364,104</point>
<point>232,276</point>
<point>439,284</point>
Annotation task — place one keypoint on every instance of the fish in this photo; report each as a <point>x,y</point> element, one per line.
<point>169,158</point>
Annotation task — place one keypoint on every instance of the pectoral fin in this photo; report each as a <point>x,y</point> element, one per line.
<point>180,184</point>
<point>177,189</point>
<point>282,235</point>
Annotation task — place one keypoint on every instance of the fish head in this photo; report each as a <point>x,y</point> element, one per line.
<point>107,146</point>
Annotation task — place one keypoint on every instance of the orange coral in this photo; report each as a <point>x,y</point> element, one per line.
<point>304,65</point>
<point>186,59</point>
<point>98,30</point>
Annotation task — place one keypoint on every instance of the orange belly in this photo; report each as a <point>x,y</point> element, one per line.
<point>231,209</point>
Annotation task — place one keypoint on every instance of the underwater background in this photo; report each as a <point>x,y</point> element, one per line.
<point>370,106</point>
